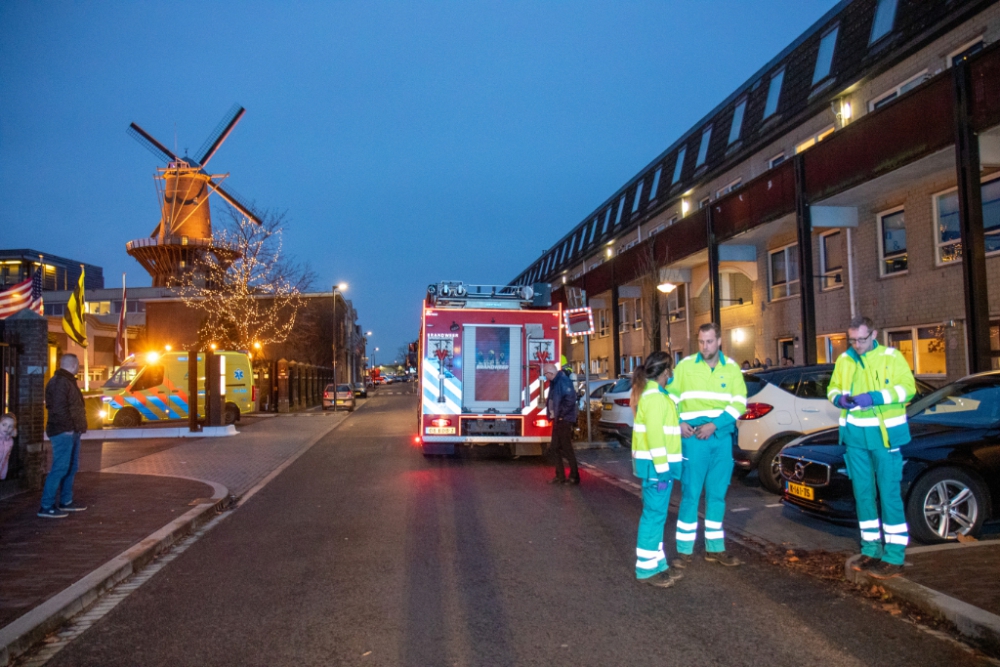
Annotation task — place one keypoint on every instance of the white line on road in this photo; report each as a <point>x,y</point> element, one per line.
<point>740,509</point>
<point>774,505</point>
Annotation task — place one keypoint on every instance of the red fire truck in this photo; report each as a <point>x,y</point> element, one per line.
<point>481,352</point>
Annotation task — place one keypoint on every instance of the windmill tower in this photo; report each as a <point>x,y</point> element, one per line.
<point>184,233</point>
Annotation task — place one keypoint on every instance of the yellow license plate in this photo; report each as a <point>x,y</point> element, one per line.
<point>801,491</point>
<point>440,430</point>
<point>608,406</point>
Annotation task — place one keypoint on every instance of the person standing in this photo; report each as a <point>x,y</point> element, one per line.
<point>561,409</point>
<point>67,422</point>
<point>656,460</point>
<point>871,384</point>
<point>710,393</point>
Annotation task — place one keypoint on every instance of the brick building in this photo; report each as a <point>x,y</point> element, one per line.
<point>844,177</point>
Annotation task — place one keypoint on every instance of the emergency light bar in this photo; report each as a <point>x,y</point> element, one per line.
<point>455,293</point>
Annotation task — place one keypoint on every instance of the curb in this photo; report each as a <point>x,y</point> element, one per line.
<point>975,624</point>
<point>139,433</point>
<point>26,631</point>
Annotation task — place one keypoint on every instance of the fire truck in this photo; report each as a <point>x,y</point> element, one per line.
<point>481,353</point>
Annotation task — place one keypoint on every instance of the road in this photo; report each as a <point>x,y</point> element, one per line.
<point>363,552</point>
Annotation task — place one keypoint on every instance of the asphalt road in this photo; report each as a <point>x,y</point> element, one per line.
<point>363,552</point>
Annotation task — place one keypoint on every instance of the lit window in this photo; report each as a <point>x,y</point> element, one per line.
<point>676,303</point>
<point>637,315</point>
<point>825,57</point>
<point>737,126</point>
<point>783,272</point>
<point>815,139</point>
<point>892,242</point>
<point>776,160</point>
<point>828,348</point>
<point>621,206</point>
<point>897,91</point>
<point>831,263</point>
<point>885,15</point>
<point>656,184</point>
<point>964,51</point>
<point>706,136</point>
<point>638,196</point>
<point>773,93</point>
<point>679,166</point>
<point>948,237</point>
<point>928,356</point>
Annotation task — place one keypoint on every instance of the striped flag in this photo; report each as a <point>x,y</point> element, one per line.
<point>121,340</point>
<point>27,294</point>
<point>73,319</point>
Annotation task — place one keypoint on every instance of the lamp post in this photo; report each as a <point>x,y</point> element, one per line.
<point>667,288</point>
<point>337,289</point>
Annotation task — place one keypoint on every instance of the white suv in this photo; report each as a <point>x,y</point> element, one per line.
<point>616,416</point>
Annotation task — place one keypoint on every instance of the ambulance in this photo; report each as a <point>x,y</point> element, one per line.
<point>154,388</point>
<point>481,353</point>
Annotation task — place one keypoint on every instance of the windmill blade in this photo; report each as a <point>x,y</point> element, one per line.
<point>151,144</point>
<point>235,201</point>
<point>220,133</point>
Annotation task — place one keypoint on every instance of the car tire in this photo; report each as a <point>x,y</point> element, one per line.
<point>231,414</point>
<point>128,418</point>
<point>946,484</point>
<point>768,466</point>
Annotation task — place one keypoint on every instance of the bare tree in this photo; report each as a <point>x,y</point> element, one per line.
<point>246,288</point>
<point>649,278</point>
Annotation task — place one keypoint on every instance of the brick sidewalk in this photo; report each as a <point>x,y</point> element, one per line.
<point>968,572</point>
<point>41,557</point>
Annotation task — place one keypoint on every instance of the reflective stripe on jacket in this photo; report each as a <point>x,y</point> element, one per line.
<point>656,436</point>
<point>705,394</point>
<point>883,374</point>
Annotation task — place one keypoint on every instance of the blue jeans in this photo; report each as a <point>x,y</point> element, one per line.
<point>65,461</point>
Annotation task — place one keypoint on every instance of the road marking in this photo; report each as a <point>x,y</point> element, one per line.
<point>740,509</point>
<point>774,505</point>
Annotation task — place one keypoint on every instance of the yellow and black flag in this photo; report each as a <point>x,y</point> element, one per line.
<point>73,319</point>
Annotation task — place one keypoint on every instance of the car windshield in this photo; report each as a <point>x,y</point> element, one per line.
<point>122,377</point>
<point>959,405</point>
<point>623,384</point>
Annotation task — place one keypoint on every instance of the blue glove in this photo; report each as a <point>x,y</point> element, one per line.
<point>864,401</point>
<point>844,402</point>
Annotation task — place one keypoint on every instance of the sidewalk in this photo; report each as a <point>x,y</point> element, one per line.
<point>957,582</point>
<point>142,496</point>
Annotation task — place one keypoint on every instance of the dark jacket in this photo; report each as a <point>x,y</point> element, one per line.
<point>65,403</point>
<point>561,403</point>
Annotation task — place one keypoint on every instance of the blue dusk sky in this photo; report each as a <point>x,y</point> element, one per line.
<point>408,142</point>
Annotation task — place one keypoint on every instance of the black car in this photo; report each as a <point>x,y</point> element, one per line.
<point>951,471</point>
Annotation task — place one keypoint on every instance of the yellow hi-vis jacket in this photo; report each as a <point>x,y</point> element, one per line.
<point>705,394</point>
<point>656,436</point>
<point>882,373</point>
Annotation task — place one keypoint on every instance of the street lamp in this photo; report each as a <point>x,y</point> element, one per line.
<point>667,288</point>
<point>337,289</point>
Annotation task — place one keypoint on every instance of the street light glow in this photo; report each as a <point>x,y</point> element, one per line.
<point>666,288</point>
<point>342,287</point>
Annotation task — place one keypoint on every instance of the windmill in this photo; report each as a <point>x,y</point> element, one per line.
<point>184,233</point>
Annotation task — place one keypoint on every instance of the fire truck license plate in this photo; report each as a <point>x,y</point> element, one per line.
<point>440,430</point>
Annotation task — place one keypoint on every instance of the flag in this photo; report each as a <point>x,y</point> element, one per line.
<point>73,319</point>
<point>27,294</point>
<point>121,339</point>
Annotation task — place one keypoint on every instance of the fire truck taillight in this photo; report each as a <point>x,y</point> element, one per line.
<point>440,422</point>
<point>542,422</point>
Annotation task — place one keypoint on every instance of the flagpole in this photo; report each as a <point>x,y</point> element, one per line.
<point>125,320</point>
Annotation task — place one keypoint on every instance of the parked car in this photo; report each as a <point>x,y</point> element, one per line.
<point>616,416</point>
<point>360,390</point>
<point>951,471</point>
<point>596,390</point>
<point>338,395</point>
<point>783,404</point>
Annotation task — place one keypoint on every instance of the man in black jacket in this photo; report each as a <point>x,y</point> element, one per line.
<point>67,422</point>
<point>561,408</point>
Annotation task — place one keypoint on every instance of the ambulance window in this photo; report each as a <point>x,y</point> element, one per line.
<point>151,377</point>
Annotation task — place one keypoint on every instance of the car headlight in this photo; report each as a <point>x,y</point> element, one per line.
<point>103,414</point>
<point>842,471</point>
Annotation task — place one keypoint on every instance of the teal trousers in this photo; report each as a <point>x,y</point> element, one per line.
<point>708,466</point>
<point>876,475</point>
<point>649,556</point>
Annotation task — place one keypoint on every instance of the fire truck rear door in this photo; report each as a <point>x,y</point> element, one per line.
<point>491,360</point>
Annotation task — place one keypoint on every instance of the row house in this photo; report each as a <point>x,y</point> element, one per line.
<point>857,173</point>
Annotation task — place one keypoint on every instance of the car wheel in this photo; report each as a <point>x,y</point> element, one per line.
<point>128,418</point>
<point>769,465</point>
<point>945,503</point>
<point>232,413</point>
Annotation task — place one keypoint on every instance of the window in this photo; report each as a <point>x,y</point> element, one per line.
<point>54,308</point>
<point>704,202</point>
<point>815,139</point>
<point>948,237</point>
<point>783,272</point>
<point>773,93</point>
<point>706,136</point>
<point>679,166</point>
<point>831,260</point>
<point>892,242</point>
<point>602,322</point>
<point>637,315</point>
<point>593,229</point>
<point>656,230</point>
<point>735,290</point>
<point>829,347</point>
<point>737,127</point>
<point>622,317</point>
<point>638,196</point>
<point>776,160</point>
<point>621,206</point>
<point>897,91</point>
<point>964,51</point>
<point>677,303</point>
<point>814,384</point>
<point>151,377</point>
<point>927,356</point>
<point>786,350</point>
<point>656,184</point>
<point>729,188</point>
<point>825,58</point>
<point>99,307</point>
<point>885,15</point>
